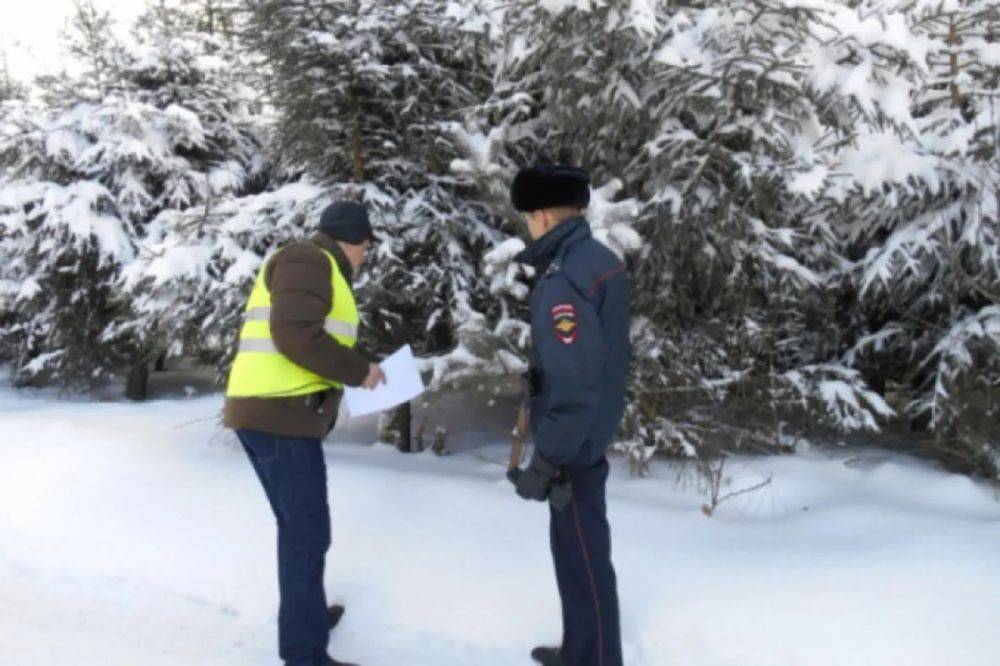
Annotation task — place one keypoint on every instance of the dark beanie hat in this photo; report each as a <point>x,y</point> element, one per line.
<point>550,186</point>
<point>346,221</point>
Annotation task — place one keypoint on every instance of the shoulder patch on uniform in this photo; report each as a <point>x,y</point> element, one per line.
<point>565,322</point>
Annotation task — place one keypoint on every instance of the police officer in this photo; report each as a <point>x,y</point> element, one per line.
<point>296,352</point>
<point>577,368</point>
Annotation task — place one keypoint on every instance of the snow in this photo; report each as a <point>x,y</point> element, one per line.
<point>64,143</point>
<point>955,344</point>
<point>471,19</point>
<point>76,207</point>
<point>809,182</point>
<point>642,16</point>
<point>557,6</point>
<point>790,265</point>
<point>881,158</point>
<point>683,47</point>
<point>171,262</point>
<point>900,250</point>
<point>505,251</point>
<point>29,289</point>
<point>138,534</point>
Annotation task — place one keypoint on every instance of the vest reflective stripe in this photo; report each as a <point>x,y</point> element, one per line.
<point>262,345</point>
<point>332,326</point>
<point>335,327</point>
<point>260,370</point>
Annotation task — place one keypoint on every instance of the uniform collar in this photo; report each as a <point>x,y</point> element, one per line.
<point>543,251</point>
<point>330,245</point>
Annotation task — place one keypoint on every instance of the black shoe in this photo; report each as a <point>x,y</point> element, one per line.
<point>548,656</point>
<point>333,615</point>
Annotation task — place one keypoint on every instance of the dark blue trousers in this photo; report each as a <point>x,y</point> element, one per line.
<point>581,550</point>
<point>293,473</point>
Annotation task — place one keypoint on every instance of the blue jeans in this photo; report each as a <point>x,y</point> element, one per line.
<point>581,550</point>
<point>293,473</point>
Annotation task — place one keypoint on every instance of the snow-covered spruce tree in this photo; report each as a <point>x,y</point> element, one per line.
<point>690,110</point>
<point>510,130</point>
<point>13,99</point>
<point>572,84</point>
<point>737,290</point>
<point>184,59</point>
<point>61,238</point>
<point>830,146</point>
<point>209,259</point>
<point>140,130</point>
<point>10,88</point>
<point>956,388</point>
<point>916,209</point>
<point>219,18</point>
<point>61,253</point>
<point>364,93</point>
<point>13,113</point>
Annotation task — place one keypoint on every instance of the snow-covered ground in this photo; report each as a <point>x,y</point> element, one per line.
<point>137,534</point>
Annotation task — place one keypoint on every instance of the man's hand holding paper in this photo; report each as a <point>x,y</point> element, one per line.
<point>394,381</point>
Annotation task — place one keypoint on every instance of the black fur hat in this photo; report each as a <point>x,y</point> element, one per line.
<point>550,186</point>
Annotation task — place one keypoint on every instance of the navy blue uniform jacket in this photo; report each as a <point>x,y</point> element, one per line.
<point>580,344</point>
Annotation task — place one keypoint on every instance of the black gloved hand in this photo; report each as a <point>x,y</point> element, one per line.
<point>535,482</point>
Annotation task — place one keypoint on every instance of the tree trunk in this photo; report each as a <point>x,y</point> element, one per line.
<point>359,159</point>
<point>137,385</point>
<point>954,41</point>
<point>400,425</point>
<point>403,420</point>
<point>395,426</point>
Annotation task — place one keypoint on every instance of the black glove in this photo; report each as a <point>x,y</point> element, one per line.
<point>540,481</point>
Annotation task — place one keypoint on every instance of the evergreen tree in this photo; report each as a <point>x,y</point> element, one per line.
<point>63,241</point>
<point>734,289</point>
<point>10,88</point>
<point>184,64</point>
<point>702,114</point>
<point>363,93</point>
<point>143,129</point>
<point>806,195</point>
<point>204,266</point>
<point>919,226</point>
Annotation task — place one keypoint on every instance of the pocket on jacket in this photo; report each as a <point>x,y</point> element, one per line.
<point>329,403</point>
<point>330,408</point>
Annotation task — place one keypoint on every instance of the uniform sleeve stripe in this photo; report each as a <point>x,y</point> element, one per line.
<point>610,274</point>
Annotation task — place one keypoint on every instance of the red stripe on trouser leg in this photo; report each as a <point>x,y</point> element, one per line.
<point>593,583</point>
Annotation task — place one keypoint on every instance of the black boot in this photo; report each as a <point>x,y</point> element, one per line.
<point>334,662</point>
<point>333,615</point>
<point>548,656</point>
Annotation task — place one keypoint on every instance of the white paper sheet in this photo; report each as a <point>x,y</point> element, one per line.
<point>403,383</point>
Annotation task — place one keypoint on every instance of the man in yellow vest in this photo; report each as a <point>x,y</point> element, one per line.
<point>296,352</point>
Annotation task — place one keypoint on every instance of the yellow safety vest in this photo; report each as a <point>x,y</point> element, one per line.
<point>260,370</point>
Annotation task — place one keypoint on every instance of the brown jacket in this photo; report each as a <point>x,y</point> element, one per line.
<point>298,277</point>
